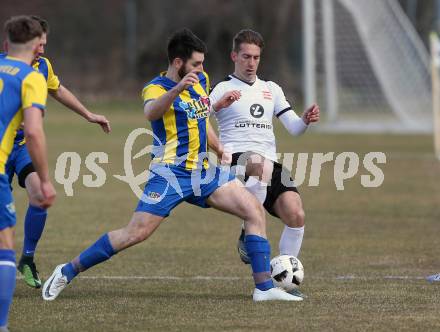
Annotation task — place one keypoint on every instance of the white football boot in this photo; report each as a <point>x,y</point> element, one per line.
<point>55,284</point>
<point>274,294</point>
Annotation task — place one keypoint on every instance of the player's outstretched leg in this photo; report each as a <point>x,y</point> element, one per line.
<point>234,199</point>
<point>140,227</point>
<point>34,223</point>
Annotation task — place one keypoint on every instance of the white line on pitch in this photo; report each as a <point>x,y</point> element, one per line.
<point>214,278</point>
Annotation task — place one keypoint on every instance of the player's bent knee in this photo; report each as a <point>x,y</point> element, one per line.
<point>141,227</point>
<point>296,218</point>
<point>255,215</point>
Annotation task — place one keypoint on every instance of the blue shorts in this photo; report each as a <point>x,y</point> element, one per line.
<point>169,185</point>
<point>20,163</point>
<point>7,207</point>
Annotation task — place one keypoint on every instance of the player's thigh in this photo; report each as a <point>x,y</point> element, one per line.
<point>7,214</point>
<point>23,164</point>
<point>288,206</point>
<point>234,199</point>
<point>7,236</point>
<point>10,165</point>
<point>259,167</point>
<point>163,191</point>
<point>254,165</point>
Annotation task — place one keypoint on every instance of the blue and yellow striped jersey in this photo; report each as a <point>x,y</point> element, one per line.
<point>21,87</point>
<point>181,134</point>
<point>43,66</point>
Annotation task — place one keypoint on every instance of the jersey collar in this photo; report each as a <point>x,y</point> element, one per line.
<point>250,84</point>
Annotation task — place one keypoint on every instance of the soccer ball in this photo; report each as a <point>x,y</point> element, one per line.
<point>287,272</point>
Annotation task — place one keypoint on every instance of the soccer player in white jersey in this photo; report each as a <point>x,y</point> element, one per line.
<point>246,130</point>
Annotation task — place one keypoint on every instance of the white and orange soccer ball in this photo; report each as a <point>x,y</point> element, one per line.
<point>287,272</point>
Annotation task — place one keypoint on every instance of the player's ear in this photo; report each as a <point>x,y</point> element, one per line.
<point>178,63</point>
<point>234,56</point>
<point>35,46</point>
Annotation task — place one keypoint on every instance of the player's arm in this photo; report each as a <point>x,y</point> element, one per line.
<point>68,99</point>
<point>36,141</point>
<point>296,125</point>
<point>34,95</point>
<point>226,100</point>
<point>154,109</point>
<point>36,145</point>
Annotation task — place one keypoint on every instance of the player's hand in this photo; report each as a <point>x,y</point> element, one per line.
<point>227,100</point>
<point>49,194</point>
<point>188,80</point>
<point>225,156</point>
<point>311,114</point>
<point>102,121</point>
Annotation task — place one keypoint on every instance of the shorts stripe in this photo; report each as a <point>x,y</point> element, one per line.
<point>7,263</point>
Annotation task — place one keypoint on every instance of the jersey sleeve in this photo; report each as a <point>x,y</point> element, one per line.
<point>151,92</point>
<point>53,83</point>
<point>281,105</point>
<point>34,91</point>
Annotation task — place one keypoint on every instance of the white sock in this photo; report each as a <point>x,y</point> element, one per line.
<point>258,189</point>
<point>291,240</point>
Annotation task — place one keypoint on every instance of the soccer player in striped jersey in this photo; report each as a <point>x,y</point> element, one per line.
<point>20,162</point>
<point>23,93</point>
<point>177,104</point>
<point>246,128</point>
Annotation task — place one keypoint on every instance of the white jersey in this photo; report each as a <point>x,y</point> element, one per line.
<point>246,125</point>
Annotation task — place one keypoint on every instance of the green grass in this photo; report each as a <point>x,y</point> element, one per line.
<point>366,233</point>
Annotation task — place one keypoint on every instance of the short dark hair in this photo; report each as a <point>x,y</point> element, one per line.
<point>247,36</point>
<point>21,29</point>
<point>183,43</point>
<point>44,24</point>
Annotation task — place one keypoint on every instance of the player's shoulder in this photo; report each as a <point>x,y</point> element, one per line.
<point>44,60</point>
<point>222,83</point>
<point>15,67</point>
<point>35,78</point>
<point>155,88</point>
<point>271,84</point>
<point>159,80</point>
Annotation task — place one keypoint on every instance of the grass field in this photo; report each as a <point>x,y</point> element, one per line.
<point>365,250</point>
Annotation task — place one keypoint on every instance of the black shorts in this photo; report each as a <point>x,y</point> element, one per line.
<point>276,188</point>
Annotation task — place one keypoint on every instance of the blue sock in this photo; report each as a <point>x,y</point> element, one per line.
<point>33,228</point>
<point>258,249</point>
<point>7,283</point>
<point>97,253</point>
